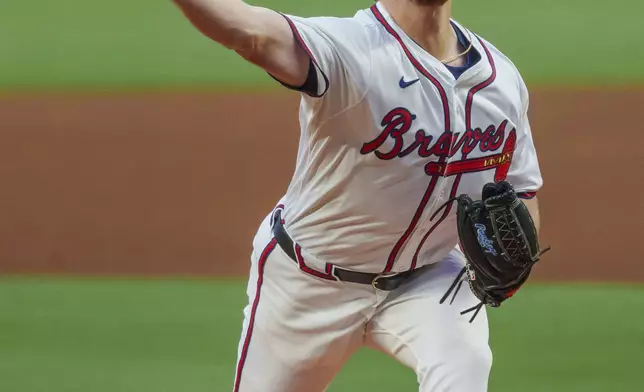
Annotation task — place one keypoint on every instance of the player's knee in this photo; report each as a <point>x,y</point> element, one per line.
<point>459,371</point>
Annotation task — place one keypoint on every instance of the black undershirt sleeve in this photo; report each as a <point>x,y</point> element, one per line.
<point>310,86</point>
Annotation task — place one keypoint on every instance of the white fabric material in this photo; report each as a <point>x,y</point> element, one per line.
<point>391,139</point>
<point>350,207</point>
<point>306,328</point>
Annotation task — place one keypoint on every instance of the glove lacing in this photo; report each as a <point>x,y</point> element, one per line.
<point>450,201</point>
<point>456,286</point>
<point>458,281</point>
<point>454,289</point>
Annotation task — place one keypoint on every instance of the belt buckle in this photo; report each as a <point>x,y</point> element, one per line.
<point>374,282</point>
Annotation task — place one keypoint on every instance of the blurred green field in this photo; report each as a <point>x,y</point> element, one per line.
<point>62,335</point>
<point>144,44</point>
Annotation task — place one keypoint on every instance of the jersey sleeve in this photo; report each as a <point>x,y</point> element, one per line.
<point>524,173</point>
<point>339,50</point>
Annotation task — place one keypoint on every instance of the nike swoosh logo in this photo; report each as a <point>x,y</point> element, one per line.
<point>403,84</point>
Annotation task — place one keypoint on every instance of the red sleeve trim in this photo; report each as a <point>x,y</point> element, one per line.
<point>527,195</point>
<point>306,87</point>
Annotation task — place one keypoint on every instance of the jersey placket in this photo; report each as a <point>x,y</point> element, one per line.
<point>442,192</point>
<point>461,101</point>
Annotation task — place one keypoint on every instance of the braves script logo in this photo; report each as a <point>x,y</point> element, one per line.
<point>400,120</point>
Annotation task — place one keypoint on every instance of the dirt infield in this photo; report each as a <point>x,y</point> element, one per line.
<point>177,184</point>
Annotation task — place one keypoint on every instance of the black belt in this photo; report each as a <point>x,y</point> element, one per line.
<point>385,282</point>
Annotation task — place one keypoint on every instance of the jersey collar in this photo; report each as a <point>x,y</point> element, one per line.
<point>425,60</point>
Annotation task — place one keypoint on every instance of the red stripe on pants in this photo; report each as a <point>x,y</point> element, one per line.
<point>260,280</point>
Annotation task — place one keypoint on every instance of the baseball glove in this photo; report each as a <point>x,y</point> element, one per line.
<point>500,243</point>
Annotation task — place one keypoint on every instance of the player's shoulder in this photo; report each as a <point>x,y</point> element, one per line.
<point>506,69</point>
<point>356,27</point>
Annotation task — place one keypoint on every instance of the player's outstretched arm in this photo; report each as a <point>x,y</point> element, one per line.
<point>259,35</point>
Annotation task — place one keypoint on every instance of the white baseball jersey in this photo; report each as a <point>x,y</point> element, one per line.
<point>391,136</point>
<point>388,137</point>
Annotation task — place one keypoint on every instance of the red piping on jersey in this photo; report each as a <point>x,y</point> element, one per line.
<point>479,87</point>
<point>448,125</point>
<point>527,195</point>
<point>300,41</point>
<point>445,214</point>
<point>278,207</point>
<point>327,275</point>
<point>468,125</point>
<point>260,280</point>
<point>328,271</point>
<point>376,12</point>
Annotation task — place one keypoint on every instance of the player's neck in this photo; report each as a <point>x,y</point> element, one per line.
<point>427,24</point>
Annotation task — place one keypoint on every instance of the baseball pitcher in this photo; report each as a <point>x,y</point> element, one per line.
<point>412,206</point>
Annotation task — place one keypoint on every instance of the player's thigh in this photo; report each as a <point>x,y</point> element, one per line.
<point>447,352</point>
<point>298,330</point>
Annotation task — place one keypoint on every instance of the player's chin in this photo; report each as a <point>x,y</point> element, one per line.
<point>430,2</point>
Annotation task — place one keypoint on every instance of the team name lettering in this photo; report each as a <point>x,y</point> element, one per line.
<point>399,122</point>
